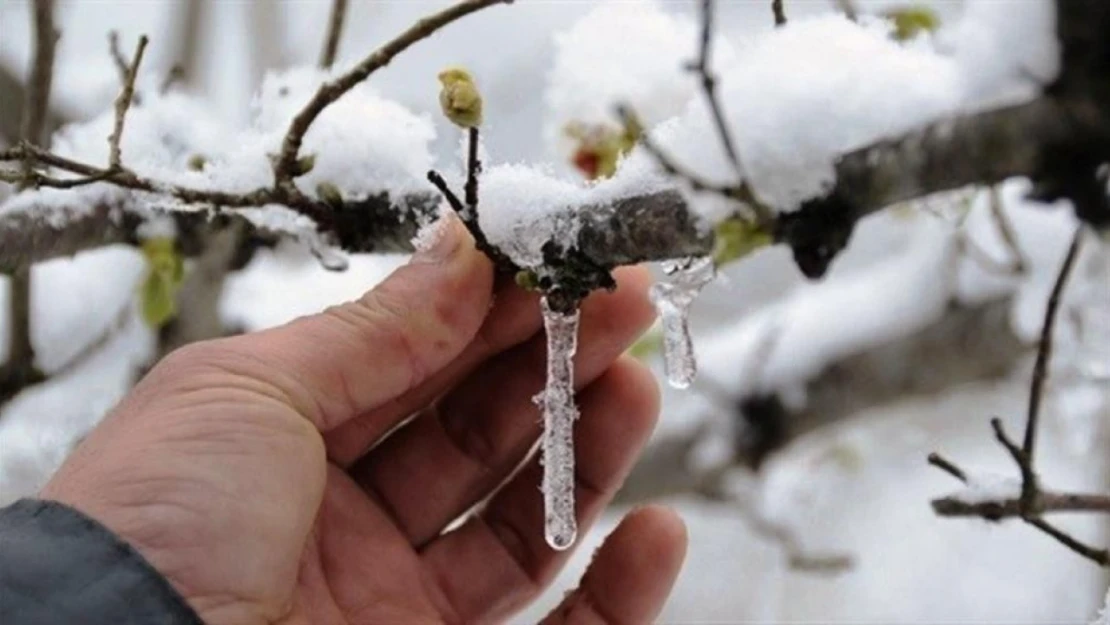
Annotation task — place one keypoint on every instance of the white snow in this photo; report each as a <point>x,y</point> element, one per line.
<point>559,414</point>
<point>523,207</point>
<point>623,51</point>
<point>850,82</point>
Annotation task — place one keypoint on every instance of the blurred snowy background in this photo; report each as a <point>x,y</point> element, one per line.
<point>921,332</point>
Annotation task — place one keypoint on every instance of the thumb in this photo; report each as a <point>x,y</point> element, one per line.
<point>632,574</point>
<point>351,358</point>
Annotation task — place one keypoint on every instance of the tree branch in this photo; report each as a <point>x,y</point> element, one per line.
<point>985,147</point>
<point>1033,501</point>
<point>123,103</point>
<point>1044,350</point>
<point>779,12</point>
<point>335,31</point>
<point>285,165</point>
<point>20,369</point>
<point>1010,508</point>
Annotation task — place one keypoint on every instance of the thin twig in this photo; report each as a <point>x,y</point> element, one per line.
<point>947,466</point>
<point>696,182</point>
<point>117,57</point>
<point>1101,556</point>
<point>457,205</point>
<point>468,214</point>
<point>473,170</point>
<point>779,11</point>
<point>1030,485</point>
<point>1044,349</point>
<point>123,103</point>
<point>285,166</point>
<point>1011,507</point>
<point>709,86</point>
<point>130,180</point>
<point>1021,507</point>
<point>335,31</point>
<point>42,72</point>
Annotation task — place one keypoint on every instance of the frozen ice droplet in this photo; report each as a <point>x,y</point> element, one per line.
<point>559,413</point>
<point>672,298</point>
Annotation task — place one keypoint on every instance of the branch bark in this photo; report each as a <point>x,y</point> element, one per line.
<point>1011,508</point>
<point>20,369</point>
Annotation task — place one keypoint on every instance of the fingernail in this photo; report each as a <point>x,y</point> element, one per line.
<point>438,241</point>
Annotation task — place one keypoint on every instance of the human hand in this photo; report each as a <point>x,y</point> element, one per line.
<point>266,476</point>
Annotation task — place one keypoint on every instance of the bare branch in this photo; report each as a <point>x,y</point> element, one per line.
<point>1011,508</point>
<point>947,466</point>
<point>473,170</point>
<point>285,165</point>
<point>335,31</point>
<point>779,11</point>
<point>1098,556</point>
<point>129,180</point>
<point>701,67</point>
<point>123,103</point>
<point>118,59</point>
<point>1044,349</point>
<point>42,72</point>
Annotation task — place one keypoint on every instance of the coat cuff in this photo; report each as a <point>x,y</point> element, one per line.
<point>59,566</point>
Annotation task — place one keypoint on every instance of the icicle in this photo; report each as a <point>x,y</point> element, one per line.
<point>672,299</point>
<point>330,258</point>
<point>559,413</point>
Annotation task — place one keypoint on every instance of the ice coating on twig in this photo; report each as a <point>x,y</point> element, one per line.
<point>559,414</point>
<point>329,256</point>
<point>673,298</point>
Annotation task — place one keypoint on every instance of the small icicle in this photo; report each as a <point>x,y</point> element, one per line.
<point>559,413</point>
<point>672,299</point>
<point>329,257</point>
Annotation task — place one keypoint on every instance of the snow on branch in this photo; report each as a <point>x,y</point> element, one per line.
<point>632,227</point>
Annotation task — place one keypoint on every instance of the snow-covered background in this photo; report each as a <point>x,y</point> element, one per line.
<point>795,98</point>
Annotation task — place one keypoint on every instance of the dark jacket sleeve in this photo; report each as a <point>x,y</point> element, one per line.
<point>58,566</point>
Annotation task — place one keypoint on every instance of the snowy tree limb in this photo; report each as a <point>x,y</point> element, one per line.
<point>978,148</point>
